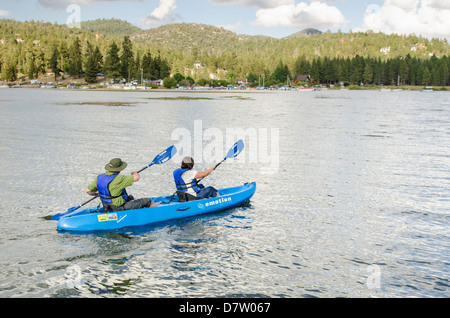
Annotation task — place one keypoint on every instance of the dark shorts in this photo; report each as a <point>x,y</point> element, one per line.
<point>137,204</point>
<point>131,204</point>
<point>207,192</point>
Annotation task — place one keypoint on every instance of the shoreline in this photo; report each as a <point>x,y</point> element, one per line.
<point>214,89</point>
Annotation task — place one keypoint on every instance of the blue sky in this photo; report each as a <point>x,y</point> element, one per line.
<point>277,18</point>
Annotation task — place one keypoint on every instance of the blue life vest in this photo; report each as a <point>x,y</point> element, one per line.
<point>181,185</point>
<point>103,182</point>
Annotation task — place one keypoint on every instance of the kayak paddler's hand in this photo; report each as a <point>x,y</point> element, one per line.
<point>202,174</point>
<point>218,164</point>
<point>135,176</point>
<point>94,194</point>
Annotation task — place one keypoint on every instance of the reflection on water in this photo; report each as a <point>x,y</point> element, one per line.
<point>361,195</point>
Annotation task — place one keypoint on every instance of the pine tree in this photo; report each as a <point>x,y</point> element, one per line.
<point>420,72</point>
<point>413,66</point>
<point>146,65</point>
<point>315,70</point>
<point>444,73</point>
<point>328,70</point>
<point>137,67</point>
<point>75,58</point>
<point>301,66</point>
<point>126,58</point>
<point>388,73</point>
<point>426,78</point>
<point>435,75</point>
<point>368,74</point>
<point>280,74</point>
<point>112,65</point>
<point>98,60</point>
<point>64,57</point>
<point>357,70</point>
<point>403,71</point>
<point>9,71</point>
<point>32,68</point>
<point>379,71</point>
<point>40,64</point>
<point>164,68</point>
<point>54,62</point>
<point>90,65</point>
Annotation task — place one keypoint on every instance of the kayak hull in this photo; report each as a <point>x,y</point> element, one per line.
<point>92,219</point>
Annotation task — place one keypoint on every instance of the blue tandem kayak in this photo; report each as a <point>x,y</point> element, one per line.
<point>93,219</point>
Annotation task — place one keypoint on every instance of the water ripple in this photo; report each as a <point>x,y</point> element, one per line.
<point>357,208</point>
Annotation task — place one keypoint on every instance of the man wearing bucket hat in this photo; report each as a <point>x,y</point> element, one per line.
<point>110,187</point>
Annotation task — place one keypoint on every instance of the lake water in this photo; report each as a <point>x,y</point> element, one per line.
<point>352,199</point>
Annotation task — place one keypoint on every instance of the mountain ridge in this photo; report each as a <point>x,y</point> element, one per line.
<point>125,28</point>
<point>201,39</point>
<point>310,42</point>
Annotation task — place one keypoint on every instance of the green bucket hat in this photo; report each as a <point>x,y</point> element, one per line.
<point>116,165</point>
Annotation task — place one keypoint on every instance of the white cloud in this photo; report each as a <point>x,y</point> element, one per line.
<point>439,4</point>
<point>4,13</point>
<point>315,15</point>
<point>232,27</point>
<point>429,18</point>
<point>162,14</point>
<point>263,4</point>
<point>406,5</point>
<point>59,4</point>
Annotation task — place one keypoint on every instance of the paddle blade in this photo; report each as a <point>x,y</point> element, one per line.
<point>235,150</point>
<point>164,156</point>
<point>57,216</point>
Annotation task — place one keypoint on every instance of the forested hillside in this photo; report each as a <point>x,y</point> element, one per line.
<point>118,48</point>
<point>112,27</point>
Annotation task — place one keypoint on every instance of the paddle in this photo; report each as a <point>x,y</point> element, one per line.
<point>234,151</point>
<point>70,210</point>
<point>163,157</point>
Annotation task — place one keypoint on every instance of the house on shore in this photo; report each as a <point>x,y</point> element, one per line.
<point>305,78</point>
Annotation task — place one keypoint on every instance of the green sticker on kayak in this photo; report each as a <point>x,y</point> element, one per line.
<point>107,217</point>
